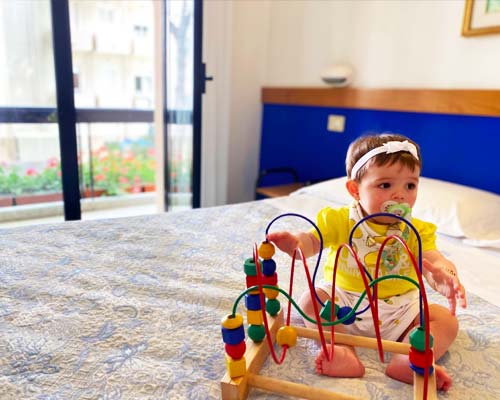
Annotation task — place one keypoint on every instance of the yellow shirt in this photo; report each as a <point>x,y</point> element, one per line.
<point>335,226</point>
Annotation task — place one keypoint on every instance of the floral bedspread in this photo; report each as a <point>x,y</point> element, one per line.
<point>131,308</point>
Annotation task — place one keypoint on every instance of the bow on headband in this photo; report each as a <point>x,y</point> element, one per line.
<point>395,146</point>
<point>388,148</point>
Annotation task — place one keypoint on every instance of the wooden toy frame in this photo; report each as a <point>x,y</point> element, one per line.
<point>256,354</point>
<point>238,388</point>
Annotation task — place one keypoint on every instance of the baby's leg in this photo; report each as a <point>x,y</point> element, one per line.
<point>444,329</point>
<point>345,362</point>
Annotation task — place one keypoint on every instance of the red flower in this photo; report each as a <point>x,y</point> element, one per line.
<point>52,162</point>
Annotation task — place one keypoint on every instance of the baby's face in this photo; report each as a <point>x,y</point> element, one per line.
<point>385,185</point>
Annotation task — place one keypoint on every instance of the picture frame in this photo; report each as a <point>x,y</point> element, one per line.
<point>481,17</point>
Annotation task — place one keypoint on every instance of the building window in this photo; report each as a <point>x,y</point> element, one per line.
<point>140,30</point>
<point>143,84</point>
<point>76,80</point>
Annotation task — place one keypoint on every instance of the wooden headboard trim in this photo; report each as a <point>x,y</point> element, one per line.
<point>442,101</point>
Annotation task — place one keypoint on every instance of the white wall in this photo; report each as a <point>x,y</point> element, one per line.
<point>390,43</point>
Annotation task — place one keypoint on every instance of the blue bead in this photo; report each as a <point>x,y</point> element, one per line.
<point>343,311</point>
<point>252,302</point>
<point>268,267</point>
<point>421,371</point>
<point>233,336</point>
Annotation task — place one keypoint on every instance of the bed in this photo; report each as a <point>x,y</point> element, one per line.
<point>131,308</point>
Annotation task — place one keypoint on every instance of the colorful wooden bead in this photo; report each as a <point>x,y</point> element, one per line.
<point>286,336</point>
<point>231,321</point>
<point>417,338</point>
<point>266,250</point>
<point>271,293</point>
<point>421,371</point>
<point>252,302</point>
<point>268,267</point>
<point>271,280</point>
<point>249,267</point>
<point>236,351</point>
<point>326,311</point>
<point>254,317</point>
<point>252,281</point>
<point>343,311</point>
<point>256,332</point>
<point>233,336</point>
<point>273,306</point>
<point>419,359</point>
<point>236,368</point>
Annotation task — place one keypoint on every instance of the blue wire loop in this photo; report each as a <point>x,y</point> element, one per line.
<point>419,240</point>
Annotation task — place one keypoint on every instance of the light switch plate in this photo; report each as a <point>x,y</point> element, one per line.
<point>336,123</point>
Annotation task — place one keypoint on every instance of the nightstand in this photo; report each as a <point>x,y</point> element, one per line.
<point>279,190</point>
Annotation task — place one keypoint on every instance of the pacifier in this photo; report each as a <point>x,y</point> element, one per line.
<point>402,210</point>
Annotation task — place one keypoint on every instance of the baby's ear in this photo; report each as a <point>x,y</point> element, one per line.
<point>352,188</point>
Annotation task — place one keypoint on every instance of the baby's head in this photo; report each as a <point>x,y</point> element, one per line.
<point>383,172</point>
<point>358,159</point>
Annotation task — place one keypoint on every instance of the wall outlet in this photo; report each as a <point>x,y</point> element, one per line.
<point>336,123</point>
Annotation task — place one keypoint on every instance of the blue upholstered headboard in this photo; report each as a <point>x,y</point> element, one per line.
<point>458,148</point>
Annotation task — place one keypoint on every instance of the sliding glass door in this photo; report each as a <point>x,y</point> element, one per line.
<point>184,88</point>
<point>30,164</point>
<point>89,131</point>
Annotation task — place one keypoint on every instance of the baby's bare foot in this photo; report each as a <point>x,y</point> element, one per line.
<point>344,364</point>
<point>401,371</point>
<point>443,379</point>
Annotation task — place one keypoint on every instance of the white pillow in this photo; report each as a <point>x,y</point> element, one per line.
<point>457,210</point>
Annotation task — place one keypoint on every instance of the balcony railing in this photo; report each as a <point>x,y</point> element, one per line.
<point>106,166</point>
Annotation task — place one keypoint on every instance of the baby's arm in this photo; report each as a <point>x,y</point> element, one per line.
<point>288,242</point>
<point>442,275</point>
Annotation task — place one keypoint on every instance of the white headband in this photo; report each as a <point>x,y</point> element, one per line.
<point>388,148</point>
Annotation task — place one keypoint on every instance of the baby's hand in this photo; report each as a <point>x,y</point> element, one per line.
<point>447,283</point>
<point>286,241</point>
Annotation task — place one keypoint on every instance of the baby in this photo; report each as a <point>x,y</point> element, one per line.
<point>383,175</point>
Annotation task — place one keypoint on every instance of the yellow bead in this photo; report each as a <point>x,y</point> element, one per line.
<point>232,321</point>
<point>271,293</point>
<point>266,250</point>
<point>236,368</point>
<point>254,317</point>
<point>286,335</point>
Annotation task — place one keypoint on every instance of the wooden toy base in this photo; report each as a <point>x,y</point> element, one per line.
<point>256,354</point>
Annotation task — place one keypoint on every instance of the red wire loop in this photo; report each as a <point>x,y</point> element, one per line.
<point>372,300</point>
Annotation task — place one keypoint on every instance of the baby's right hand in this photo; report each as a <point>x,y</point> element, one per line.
<point>285,241</point>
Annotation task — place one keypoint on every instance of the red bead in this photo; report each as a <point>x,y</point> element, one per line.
<point>236,351</point>
<point>252,281</point>
<point>418,358</point>
<point>271,280</point>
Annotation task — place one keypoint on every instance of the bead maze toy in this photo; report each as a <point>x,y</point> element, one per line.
<point>266,323</point>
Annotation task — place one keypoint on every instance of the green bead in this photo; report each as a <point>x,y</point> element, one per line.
<point>250,267</point>
<point>273,306</point>
<point>256,332</point>
<point>417,339</point>
<point>326,311</point>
